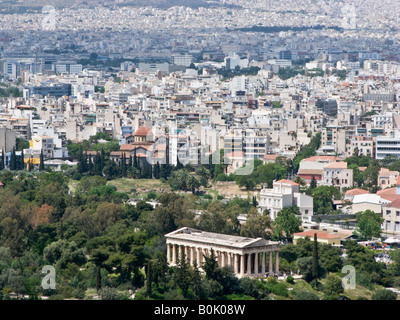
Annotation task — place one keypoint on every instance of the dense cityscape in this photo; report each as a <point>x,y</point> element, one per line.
<point>199,150</point>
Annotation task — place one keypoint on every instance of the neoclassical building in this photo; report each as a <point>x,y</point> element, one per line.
<point>247,256</point>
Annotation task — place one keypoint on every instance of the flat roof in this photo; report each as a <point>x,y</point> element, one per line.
<point>211,238</point>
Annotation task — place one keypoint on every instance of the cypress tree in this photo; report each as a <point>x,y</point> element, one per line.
<point>179,165</point>
<point>41,161</point>
<point>135,160</point>
<point>150,171</point>
<point>103,159</point>
<point>90,166</point>
<point>163,171</point>
<point>2,162</point>
<point>13,160</point>
<point>22,163</point>
<point>130,164</point>
<point>97,165</point>
<point>313,183</point>
<point>123,165</point>
<point>149,277</point>
<point>156,170</point>
<point>315,258</point>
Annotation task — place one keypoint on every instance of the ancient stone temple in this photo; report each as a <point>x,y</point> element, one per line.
<point>247,256</point>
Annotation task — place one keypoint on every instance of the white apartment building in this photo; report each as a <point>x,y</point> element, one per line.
<point>43,143</point>
<point>387,146</point>
<point>239,84</point>
<point>336,174</point>
<point>391,216</point>
<point>285,193</point>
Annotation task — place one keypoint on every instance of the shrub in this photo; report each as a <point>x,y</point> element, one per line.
<point>384,294</point>
<point>364,280</point>
<point>305,295</point>
<point>108,293</point>
<point>396,283</point>
<point>315,284</point>
<point>290,279</point>
<point>386,282</point>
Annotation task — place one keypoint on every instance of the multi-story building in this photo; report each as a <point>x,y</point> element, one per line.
<point>285,193</point>
<point>387,146</point>
<point>314,167</point>
<point>336,174</point>
<point>391,217</point>
<point>334,136</point>
<point>330,107</point>
<point>387,178</point>
<point>43,144</point>
<point>363,146</point>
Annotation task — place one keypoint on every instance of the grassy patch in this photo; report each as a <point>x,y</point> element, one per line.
<point>141,185</point>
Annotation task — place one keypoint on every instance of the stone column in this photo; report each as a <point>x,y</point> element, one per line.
<point>199,257</point>
<point>249,263</point>
<point>242,265</point>
<point>221,259</point>
<point>263,263</point>
<point>256,263</point>
<point>192,255</point>
<point>180,250</point>
<point>236,263</point>
<point>174,254</point>
<point>271,271</point>
<point>277,261</point>
<point>187,254</point>
<point>168,253</point>
<point>229,257</point>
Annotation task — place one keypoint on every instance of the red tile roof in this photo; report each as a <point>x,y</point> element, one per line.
<point>142,131</point>
<point>394,204</point>
<point>288,182</point>
<point>322,234</point>
<point>356,191</point>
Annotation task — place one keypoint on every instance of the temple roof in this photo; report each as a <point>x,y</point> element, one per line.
<point>211,238</point>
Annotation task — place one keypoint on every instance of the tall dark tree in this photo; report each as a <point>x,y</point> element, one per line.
<point>13,160</point>
<point>156,170</point>
<point>2,162</point>
<point>179,165</point>
<point>41,161</point>
<point>135,160</point>
<point>90,165</point>
<point>21,162</point>
<point>315,258</point>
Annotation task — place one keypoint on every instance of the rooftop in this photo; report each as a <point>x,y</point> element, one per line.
<point>355,191</point>
<point>336,165</point>
<point>238,242</point>
<point>323,234</point>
